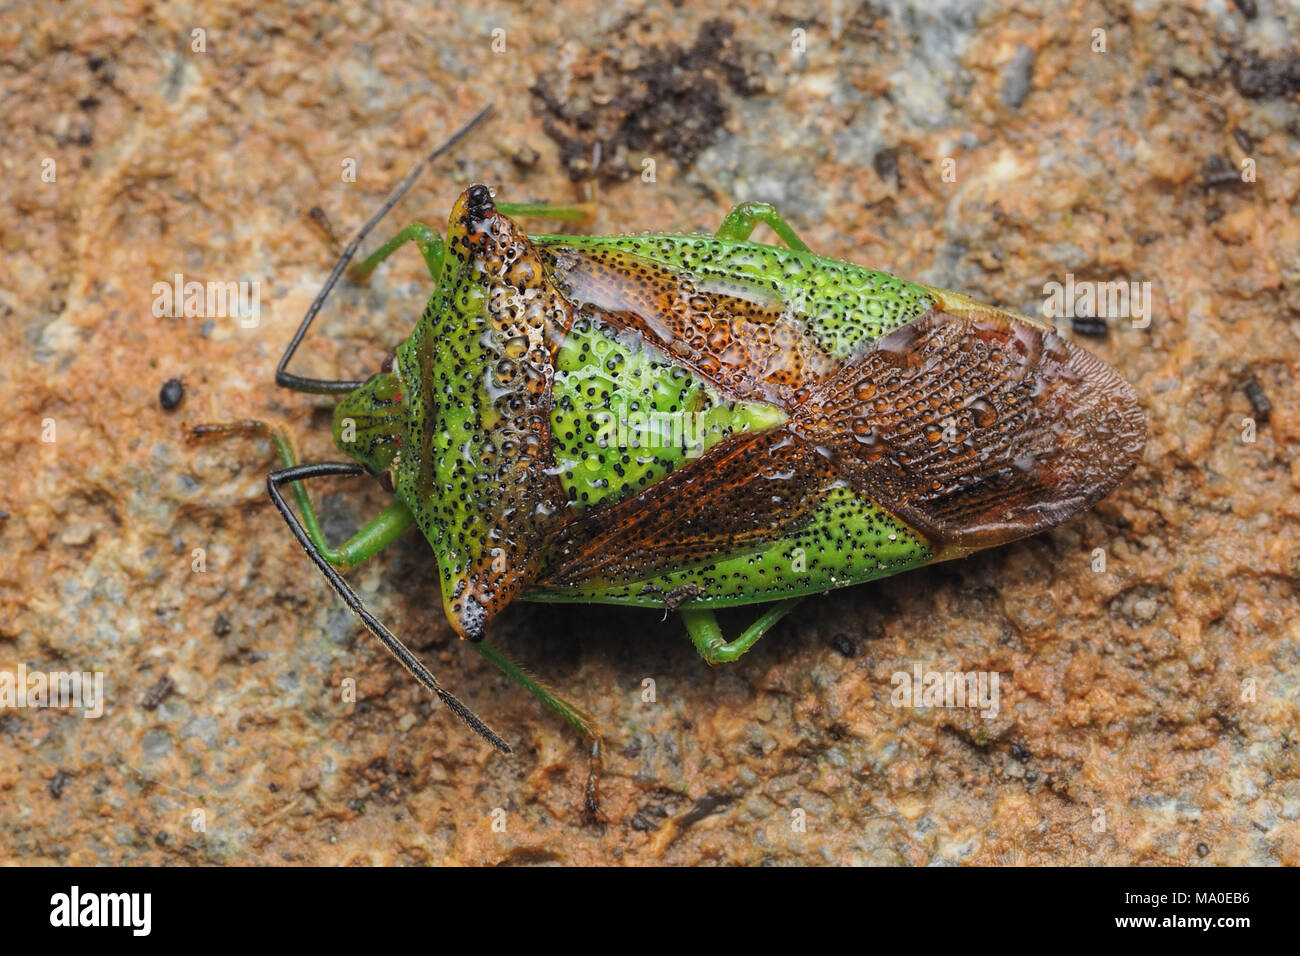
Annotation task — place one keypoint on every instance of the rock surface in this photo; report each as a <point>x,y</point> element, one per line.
<point>1148,712</point>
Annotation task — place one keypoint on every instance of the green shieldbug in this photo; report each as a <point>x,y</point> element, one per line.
<point>826,425</point>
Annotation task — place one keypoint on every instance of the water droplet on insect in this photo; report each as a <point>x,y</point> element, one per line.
<point>982,412</point>
<point>873,442</point>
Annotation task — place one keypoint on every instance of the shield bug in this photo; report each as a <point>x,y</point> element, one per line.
<point>693,422</point>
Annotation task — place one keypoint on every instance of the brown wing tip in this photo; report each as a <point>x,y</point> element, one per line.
<point>1037,429</point>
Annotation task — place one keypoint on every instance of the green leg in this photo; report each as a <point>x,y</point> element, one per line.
<point>429,243</point>
<point>575,716</point>
<point>372,538</point>
<point>745,217</point>
<point>582,212</point>
<point>702,625</point>
<point>377,533</point>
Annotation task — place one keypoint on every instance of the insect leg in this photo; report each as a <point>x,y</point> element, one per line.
<point>341,587</point>
<point>429,243</point>
<point>702,625</point>
<point>432,247</point>
<point>576,717</point>
<point>373,537</point>
<point>745,217</point>
<point>324,386</point>
<point>581,213</point>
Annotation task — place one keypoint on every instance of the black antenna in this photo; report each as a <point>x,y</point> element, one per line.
<point>325,386</point>
<point>372,623</point>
